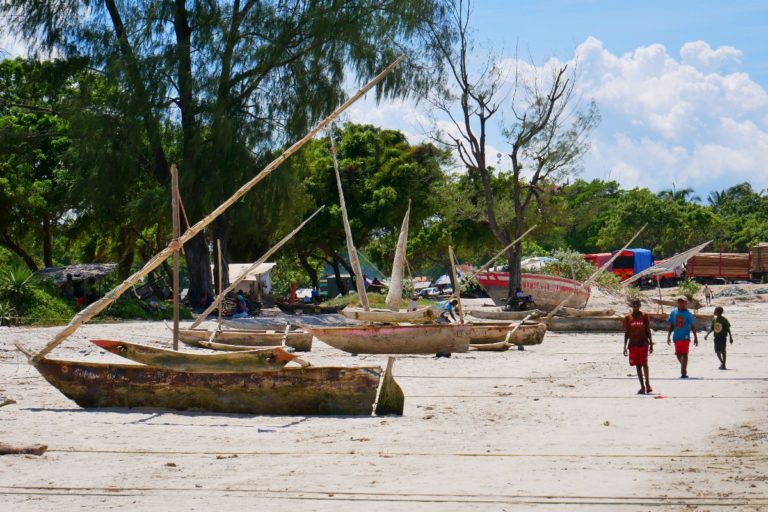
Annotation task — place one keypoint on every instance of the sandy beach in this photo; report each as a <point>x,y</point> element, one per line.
<point>555,427</point>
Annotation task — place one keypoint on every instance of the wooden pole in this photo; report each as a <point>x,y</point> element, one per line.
<point>111,296</point>
<point>594,275</point>
<point>202,316</point>
<point>176,234</point>
<point>221,284</point>
<point>353,259</point>
<point>456,283</point>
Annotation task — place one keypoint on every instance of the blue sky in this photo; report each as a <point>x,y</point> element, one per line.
<point>681,85</point>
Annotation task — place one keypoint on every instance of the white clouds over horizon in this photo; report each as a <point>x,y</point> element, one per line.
<point>692,120</point>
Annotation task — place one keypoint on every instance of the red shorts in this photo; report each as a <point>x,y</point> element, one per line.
<point>638,356</point>
<point>682,346</point>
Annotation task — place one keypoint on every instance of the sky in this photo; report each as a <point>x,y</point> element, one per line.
<point>681,85</point>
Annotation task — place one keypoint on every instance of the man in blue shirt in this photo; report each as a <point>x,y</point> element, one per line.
<point>681,323</point>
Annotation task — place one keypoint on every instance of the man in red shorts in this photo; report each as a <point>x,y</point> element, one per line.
<point>681,323</point>
<point>637,332</point>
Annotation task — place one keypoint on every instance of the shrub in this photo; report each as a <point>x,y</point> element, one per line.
<point>17,285</point>
<point>132,308</point>
<point>689,288</point>
<point>47,308</point>
<point>572,265</point>
<point>7,314</point>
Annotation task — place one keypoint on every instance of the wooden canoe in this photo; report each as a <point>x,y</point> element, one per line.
<point>420,316</point>
<point>585,324</point>
<point>547,291</point>
<point>527,334</point>
<point>573,312</point>
<point>298,340</point>
<point>314,390</point>
<point>396,339</point>
<point>308,309</point>
<point>230,362</point>
<point>504,315</point>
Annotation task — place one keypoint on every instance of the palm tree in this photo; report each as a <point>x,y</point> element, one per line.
<point>684,195</point>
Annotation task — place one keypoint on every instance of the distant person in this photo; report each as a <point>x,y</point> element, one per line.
<point>722,329</point>
<point>681,323</point>
<point>414,302</point>
<point>241,307</point>
<point>638,343</point>
<point>708,294</point>
<point>447,307</point>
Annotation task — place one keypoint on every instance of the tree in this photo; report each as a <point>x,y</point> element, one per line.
<point>547,135</point>
<point>216,85</point>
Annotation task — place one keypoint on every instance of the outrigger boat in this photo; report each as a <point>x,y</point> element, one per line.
<point>301,391</point>
<point>396,339</point>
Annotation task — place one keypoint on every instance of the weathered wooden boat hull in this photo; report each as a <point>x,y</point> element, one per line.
<point>309,309</point>
<point>504,315</point>
<point>299,341</point>
<point>396,339</point>
<point>232,362</point>
<point>547,291</point>
<point>420,316</point>
<point>305,391</point>
<point>526,334</point>
<point>573,312</point>
<point>614,323</point>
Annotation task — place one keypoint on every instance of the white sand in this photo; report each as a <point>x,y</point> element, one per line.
<point>556,427</point>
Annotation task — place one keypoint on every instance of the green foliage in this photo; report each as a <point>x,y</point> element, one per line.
<point>17,287</point>
<point>688,288</point>
<point>132,308</point>
<point>47,308</point>
<point>572,265</point>
<point>7,314</point>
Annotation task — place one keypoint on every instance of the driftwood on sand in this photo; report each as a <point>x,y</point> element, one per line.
<point>34,449</point>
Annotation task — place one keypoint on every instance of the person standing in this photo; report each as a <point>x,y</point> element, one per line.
<point>708,294</point>
<point>681,323</point>
<point>722,329</point>
<point>638,342</point>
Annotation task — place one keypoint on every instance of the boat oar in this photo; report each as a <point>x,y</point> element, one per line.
<point>391,397</point>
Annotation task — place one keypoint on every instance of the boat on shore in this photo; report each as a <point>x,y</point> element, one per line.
<point>526,334</point>
<point>496,314</point>
<point>315,390</point>
<point>300,341</point>
<point>301,308</point>
<point>547,291</point>
<point>232,362</point>
<point>396,339</point>
<point>420,316</point>
<point>615,323</point>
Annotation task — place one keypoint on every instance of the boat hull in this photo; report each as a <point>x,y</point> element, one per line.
<point>420,316</point>
<point>305,391</point>
<point>308,309</point>
<point>526,334</point>
<point>233,362</point>
<point>299,341</point>
<point>505,315</point>
<point>396,339</point>
<point>584,324</point>
<point>547,291</point>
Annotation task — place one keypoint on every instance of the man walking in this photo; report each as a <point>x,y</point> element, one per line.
<point>722,329</point>
<point>681,323</point>
<point>637,332</point>
<point>708,294</point>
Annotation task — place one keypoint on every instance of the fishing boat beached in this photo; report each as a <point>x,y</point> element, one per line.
<point>396,339</point>
<point>420,316</point>
<point>547,291</point>
<point>529,333</point>
<point>299,341</point>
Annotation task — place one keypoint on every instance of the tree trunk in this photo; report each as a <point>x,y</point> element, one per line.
<point>310,270</point>
<point>342,286</point>
<point>47,242</point>
<point>221,233</point>
<point>24,255</point>
<point>199,270</point>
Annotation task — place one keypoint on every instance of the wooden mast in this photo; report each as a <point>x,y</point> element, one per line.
<point>353,259</point>
<point>176,234</point>
<point>221,285</point>
<point>111,296</point>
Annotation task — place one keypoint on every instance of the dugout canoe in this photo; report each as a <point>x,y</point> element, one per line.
<point>584,324</point>
<point>573,312</point>
<point>229,362</point>
<point>316,390</point>
<point>527,334</point>
<point>421,316</point>
<point>298,340</point>
<point>396,339</point>
<point>504,315</point>
<point>301,308</point>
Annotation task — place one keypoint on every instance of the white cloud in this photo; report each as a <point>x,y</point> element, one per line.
<point>702,57</point>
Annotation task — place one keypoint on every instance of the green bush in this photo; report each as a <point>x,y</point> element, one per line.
<point>47,308</point>
<point>572,265</point>
<point>17,286</point>
<point>7,314</point>
<point>132,308</point>
<point>688,288</point>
